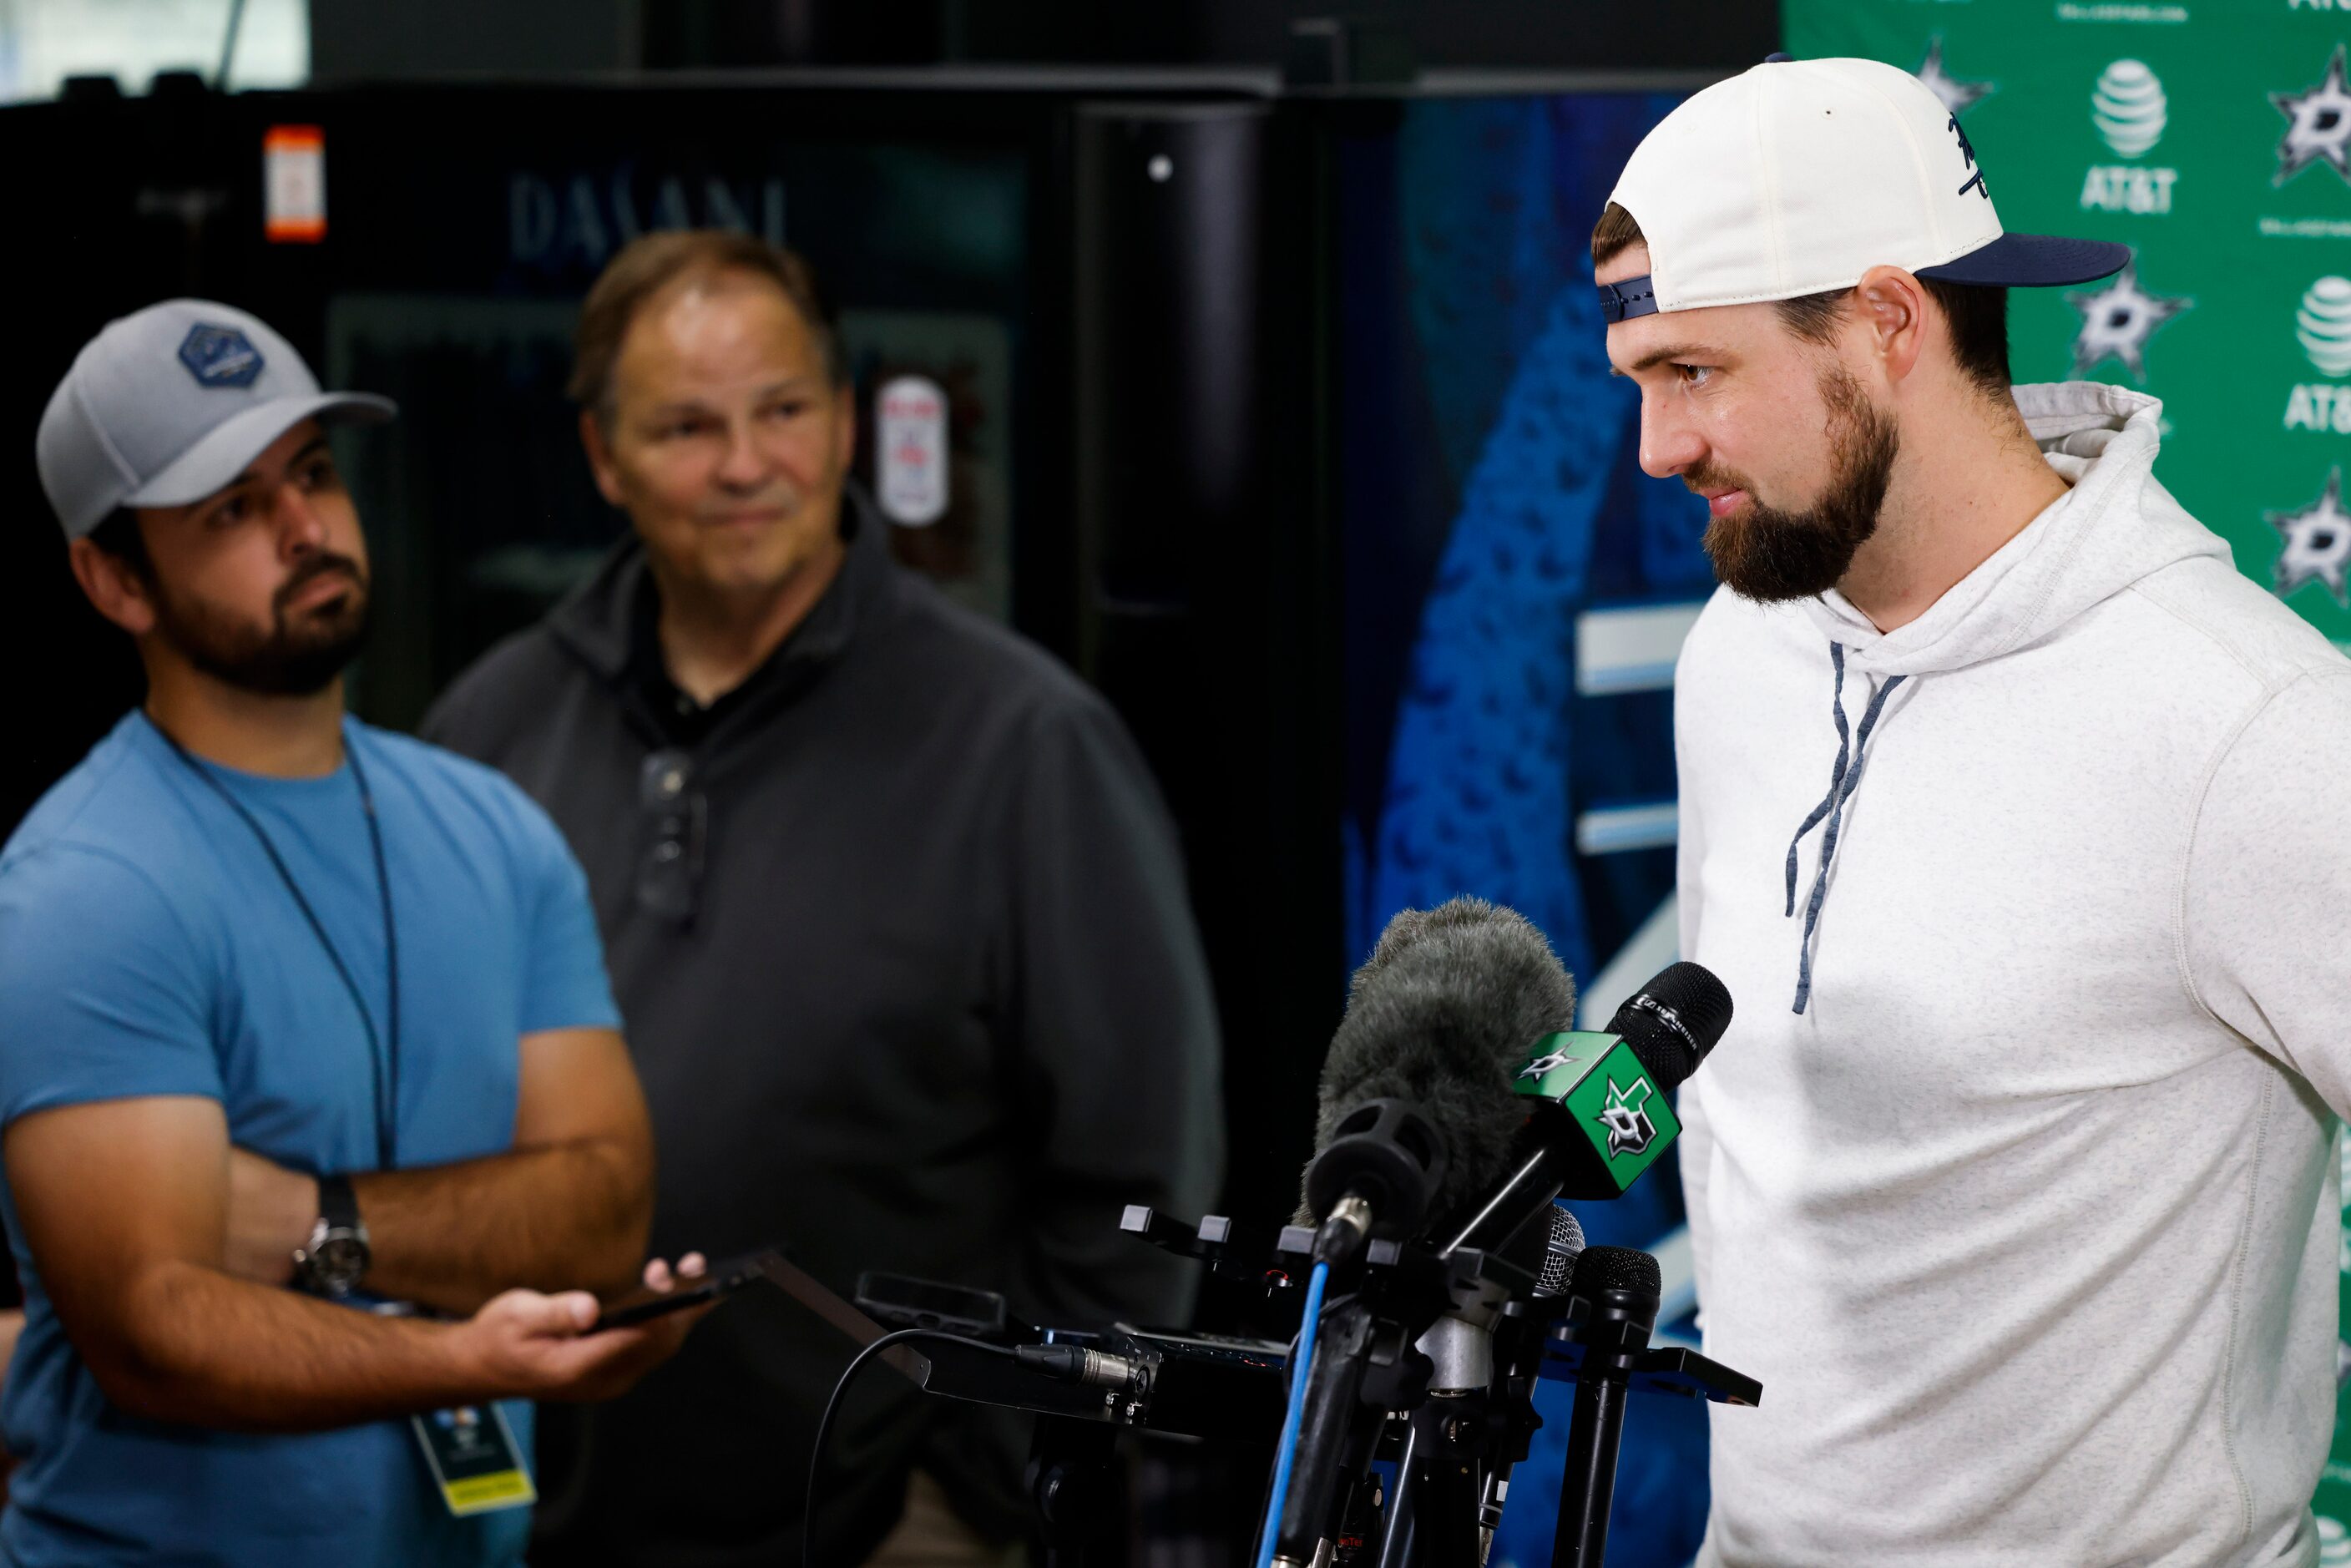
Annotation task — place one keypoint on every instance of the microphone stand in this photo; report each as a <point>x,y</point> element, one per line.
<point>1441,1477</point>
<point>1614,1334</point>
<point>1369,1391</point>
<point>1334,1413</point>
<point>1464,1435</point>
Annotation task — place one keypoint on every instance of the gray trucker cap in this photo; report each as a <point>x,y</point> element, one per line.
<point>168,404</point>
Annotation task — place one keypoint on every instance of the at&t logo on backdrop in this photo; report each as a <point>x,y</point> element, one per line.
<point>2323,327</point>
<point>2130,110</point>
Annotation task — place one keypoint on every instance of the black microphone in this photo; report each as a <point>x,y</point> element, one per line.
<point>1598,1113</point>
<point>1615,1292</point>
<point>1562,1244</point>
<point>1416,1110</point>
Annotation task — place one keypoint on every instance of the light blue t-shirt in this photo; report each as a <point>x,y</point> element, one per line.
<point>148,948</point>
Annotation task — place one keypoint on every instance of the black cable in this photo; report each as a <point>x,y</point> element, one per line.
<point>832,1406</point>
<point>390,1135</point>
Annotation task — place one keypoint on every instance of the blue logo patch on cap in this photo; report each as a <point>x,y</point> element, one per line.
<point>220,357</point>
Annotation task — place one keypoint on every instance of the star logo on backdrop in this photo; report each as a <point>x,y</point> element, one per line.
<point>2318,125</point>
<point>1957,95</point>
<point>2118,319</point>
<point>1626,1117</point>
<point>2317,543</point>
<point>1541,1066</point>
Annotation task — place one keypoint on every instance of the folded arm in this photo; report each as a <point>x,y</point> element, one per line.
<point>124,1204</point>
<point>567,1206</point>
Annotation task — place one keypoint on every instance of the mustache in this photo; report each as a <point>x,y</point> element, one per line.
<point>316,566</point>
<point>1708,478</point>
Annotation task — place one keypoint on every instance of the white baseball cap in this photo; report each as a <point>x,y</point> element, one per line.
<point>168,404</point>
<point>1798,177</point>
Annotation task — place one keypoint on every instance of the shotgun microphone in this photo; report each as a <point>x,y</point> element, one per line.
<point>1416,1110</point>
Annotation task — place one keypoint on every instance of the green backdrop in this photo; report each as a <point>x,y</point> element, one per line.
<point>2214,138</point>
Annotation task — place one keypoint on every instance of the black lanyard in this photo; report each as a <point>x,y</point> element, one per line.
<point>383,1058</point>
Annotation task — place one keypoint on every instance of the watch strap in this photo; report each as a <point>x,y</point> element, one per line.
<point>339,1205</point>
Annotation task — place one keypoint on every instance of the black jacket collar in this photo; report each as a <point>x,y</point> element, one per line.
<point>606,623</point>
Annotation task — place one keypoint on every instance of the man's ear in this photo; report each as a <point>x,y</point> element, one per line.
<point>845,438</point>
<point>599,457</point>
<point>1894,308</point>
<point>112,586</point>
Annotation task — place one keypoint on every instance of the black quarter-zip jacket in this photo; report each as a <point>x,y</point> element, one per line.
<point>915,988</point>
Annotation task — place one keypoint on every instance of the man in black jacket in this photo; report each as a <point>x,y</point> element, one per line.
<point>893,910</point>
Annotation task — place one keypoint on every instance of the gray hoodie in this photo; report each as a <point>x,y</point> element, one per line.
<point>2014,1180</point>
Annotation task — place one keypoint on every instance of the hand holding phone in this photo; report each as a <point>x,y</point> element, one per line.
<point>721,1279</point>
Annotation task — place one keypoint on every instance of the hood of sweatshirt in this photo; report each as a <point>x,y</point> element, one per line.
<point>2116,525</point>
<point>2113,526</point>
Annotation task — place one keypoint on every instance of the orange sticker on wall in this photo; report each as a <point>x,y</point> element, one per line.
<point>294,184</point>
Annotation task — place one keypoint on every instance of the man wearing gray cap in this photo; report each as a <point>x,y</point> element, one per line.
<point>297,1017</point>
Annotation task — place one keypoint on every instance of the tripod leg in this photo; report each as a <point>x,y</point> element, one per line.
<point>1404,1505</point>
<point>1452,1484</point>
<point>1075,1485</point>
<point>1433,1513</point>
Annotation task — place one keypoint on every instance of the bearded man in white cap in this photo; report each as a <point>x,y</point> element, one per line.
<point>2015,819</point>
<point>308,1060</point>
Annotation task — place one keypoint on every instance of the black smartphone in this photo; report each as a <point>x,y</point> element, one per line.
<point>722,1280</point>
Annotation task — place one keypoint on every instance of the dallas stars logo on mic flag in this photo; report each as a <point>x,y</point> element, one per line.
<point>1542,1066</point>
<point>1629,1127</point>
<point>1597,1082</point>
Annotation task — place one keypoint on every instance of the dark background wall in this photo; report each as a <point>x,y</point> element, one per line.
<point>359,38</point>
<point>157,198</point>
<point>1133,363</point>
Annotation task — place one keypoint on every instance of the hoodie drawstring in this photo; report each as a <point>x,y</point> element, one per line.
<point>1843,782</point>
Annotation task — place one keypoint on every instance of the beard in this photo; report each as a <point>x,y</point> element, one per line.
<point>295,655</point>
<point>1769,555</point>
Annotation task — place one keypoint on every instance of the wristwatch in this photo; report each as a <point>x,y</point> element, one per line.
<point>336,1256</point>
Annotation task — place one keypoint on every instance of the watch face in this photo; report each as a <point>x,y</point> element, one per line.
<point>337,1261</point>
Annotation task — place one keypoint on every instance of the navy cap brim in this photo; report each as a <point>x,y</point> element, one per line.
<point>2033,261</point>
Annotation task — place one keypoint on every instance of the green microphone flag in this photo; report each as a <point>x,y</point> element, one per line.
<point>1622,1119</point>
